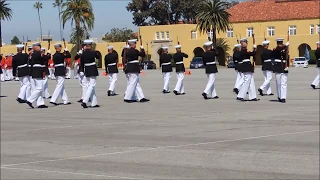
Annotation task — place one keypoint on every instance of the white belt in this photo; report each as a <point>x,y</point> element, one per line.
<point>38,65</point>
<point>112,64</point>
<point>134,61</point>
<point>90,64</point>
<point>179,62</point>
<point>166,63</point>
<point>210,63</point>
<point>235,61</point>
<point>240,62</point>
<point>267,60</point>
<point>21,66</point>
<point>246,60</point>
<point>58,65</point>
<point>278,60</point>
<point>29,65</point>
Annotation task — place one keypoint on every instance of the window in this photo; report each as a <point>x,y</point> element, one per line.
<point>230,33</point>
<point>311,29</point>
<point>162,35</point>
<point>249,32</point>
<point>318,28</point>
<point>210,34</point>
<point>194,35</point>
<point>292,30</point>
<point>157,35</point>
<point>271,31</point>
<point>167,35</point>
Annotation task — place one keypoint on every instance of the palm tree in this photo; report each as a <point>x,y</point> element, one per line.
<point>58,3</point>
<point>222,43</point>
<point>83,34</point>
<point>212,16</point>
<point>5,14</point>
<point>80,13</point>
<point>38,6</point>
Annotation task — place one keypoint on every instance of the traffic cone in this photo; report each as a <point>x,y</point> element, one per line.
<point>142,73</point>
<point>188,72</point>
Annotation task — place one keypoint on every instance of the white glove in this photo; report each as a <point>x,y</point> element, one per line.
<point>5,66</point>
<point>51,65</point>
<point>23,52</point>
<point>81,74</point>
<point>76,64</point>
<point>286,69</point>
<point>49,52</point>
<point>80,51</point>
<point>141,47</point>
<point>287,44</point>
<point>66,49</point>
<point>64,63</point>
<point>254,46</point>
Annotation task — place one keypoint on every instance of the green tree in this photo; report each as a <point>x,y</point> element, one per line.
<point>5,14</point>
<point>118,35</point>
<point>15,40</point>
<point>83,34</point>
<point>38,6</point>
<point>80,13</point>
<point>212,16</point>
<point>58,4</point>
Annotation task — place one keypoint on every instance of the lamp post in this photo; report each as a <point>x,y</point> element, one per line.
<point>147,51</point>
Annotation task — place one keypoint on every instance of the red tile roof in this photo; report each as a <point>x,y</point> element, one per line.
<point>273,10</point>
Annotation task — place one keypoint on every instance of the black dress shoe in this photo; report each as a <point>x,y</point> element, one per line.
<point>235,90</point>
<point>279,99</point>
<point>80,101</point>
<point>30,104</point>
<point>204,95</point>
<point>176,92</point>
<point>42,106</point>
<point>165,92</point>
<point>109,93</point>
<point>56,104</point>
<point>67,103</point>
<point>255,99</point>
<point>21,100</point>
<point>283,100</point>
<point>96,106</point>
<point>313,86</point>
<point>84,105</point>
<point>182,93</point>
<point>128,101</point>
<point>48,97</point>
<point>144,100</point>
<point>216,97</point>
<point>271,94</point>
<point>242,100</point>
<point>260,92</point>
<point>239,98</point>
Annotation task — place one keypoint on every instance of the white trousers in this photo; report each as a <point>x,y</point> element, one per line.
<point>2,76</point>
<point>24,85</point>
<point>75,71</point>
<point>45,93</point>
<point>180,86</point>
<point>84,84</point>
<point>91,91</point>
<point>166,80</point>
<point>210,88</point>
<point>281,85</point>
<point>113,77</point>
<point>51,71</point>
<point>37,88</point>
<point>317,79</point>
<point>239,80</point>
<point>134,89</point>
<point>68,74</point>
<point>248,86</point>
<point>9,74</point>
<point>267,79</point>
<point>60,91</point>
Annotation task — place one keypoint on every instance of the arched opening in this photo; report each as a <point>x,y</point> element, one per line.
<point>221,56</point>
<point>259,51</point>
<point>302,49</point>
<point>197,52</point>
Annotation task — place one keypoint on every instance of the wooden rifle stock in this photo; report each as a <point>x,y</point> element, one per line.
<point>254,57</point>
<point>64,42</point>
<point>178,40</point>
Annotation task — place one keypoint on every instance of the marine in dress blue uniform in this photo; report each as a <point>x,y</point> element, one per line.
<point>247,69</point>
<point>166,67</point>
<point>20,63</point>
<point>237,63</point>
<point>281,67</point>
<point>46,58</point>
<point>315,82</point>
<point>111,65</point>
<point>267,68</point>
<point>209,61</point>
<point>180,69</point>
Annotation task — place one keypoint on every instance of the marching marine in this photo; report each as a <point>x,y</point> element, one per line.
<point>315,82</point>
<point>166,68</point>
<point>111,65</point>
<point>180,69</point>
<point>267,68</point>
<point>237,62</point>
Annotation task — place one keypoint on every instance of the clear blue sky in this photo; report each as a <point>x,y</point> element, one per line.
<point>108,14</point>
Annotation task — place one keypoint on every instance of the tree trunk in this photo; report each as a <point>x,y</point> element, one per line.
<point>0,36</point>
<point>214,38</point>
<point>40,25</point>
<point>59,10</point>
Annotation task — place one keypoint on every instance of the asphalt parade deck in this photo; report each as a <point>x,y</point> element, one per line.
<point>170,137</point>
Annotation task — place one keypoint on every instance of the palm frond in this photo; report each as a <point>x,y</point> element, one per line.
<point>5,11</point>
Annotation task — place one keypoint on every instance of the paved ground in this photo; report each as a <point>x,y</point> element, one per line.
<point>171,137</point>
